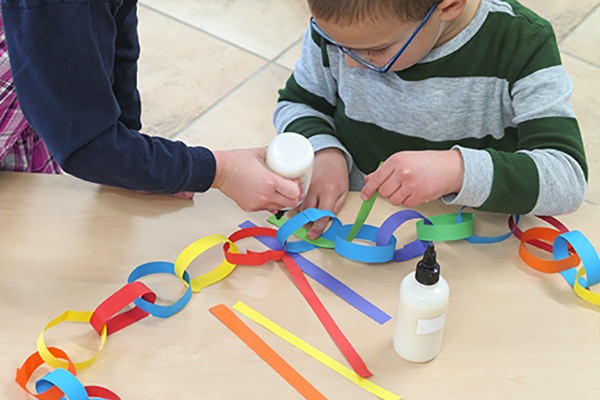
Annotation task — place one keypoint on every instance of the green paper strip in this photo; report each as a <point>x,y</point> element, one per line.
<point>365,209</point>
<point>445,228</point>
<point>302,232</point>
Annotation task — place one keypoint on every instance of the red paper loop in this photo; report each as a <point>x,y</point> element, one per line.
<point>251,257</point>
<point>32,363</point>
<point>102,393</point>
<point>534,242</point>
<point>115,303</point>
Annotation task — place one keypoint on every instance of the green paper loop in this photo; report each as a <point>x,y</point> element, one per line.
<point>445,228</point>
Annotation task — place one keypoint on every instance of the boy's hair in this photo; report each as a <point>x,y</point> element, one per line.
<point>352,11</point>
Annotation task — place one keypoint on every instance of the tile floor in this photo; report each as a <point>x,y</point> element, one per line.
<point>210,69</point>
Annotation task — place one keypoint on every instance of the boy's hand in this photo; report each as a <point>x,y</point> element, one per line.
<point>243,176</point>
<point>328,187</point>
<point>413,177</point>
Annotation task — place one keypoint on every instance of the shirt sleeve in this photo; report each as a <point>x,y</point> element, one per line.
<point>74,67</point>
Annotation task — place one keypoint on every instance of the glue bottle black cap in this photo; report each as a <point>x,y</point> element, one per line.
<point>428,270</point>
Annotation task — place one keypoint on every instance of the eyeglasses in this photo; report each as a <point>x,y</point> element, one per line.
<point>359,58</point>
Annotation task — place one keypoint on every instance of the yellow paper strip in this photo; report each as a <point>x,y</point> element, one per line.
<point>313,352</point>
<point>584,293</point>
<point>194,250</point>
<point>73,316</point>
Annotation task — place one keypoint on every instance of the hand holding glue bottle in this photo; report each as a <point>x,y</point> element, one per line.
<point>291,155</point>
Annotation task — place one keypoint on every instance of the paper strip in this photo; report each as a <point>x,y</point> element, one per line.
<point>313,352</point>
<point>65,381</point>
<point>361,252</point>
<point>445,228</point>
<point>334,331</point>
<point>486,240</point>
<point>361,217</point>
<point>329,281</point>
<point>546,266</point>
<point>251,257</point>
<point>586,252</point>
<point>115,303</point>
<point>73,316</point>
<point>32,363</point>
<point>285,370</point>
<point>303,218</point>
<point>409,251</point>
<point>194,250</point>
<point>302,233</point>
<point>537,243</point>
<point>584,293</point>
<point>160,267</point>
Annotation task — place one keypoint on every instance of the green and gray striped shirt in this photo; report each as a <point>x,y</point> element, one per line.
<point>497,92</point>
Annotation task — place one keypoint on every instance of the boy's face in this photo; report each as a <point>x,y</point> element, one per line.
<point>379,41</point>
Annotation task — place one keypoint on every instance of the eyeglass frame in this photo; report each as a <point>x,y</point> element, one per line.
<point>363,62</point>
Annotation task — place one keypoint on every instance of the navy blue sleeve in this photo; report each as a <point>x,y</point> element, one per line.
<point>74,64</point>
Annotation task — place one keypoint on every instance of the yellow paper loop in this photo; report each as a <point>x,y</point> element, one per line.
<point>584,293</point>
<point>194,250</point>
<point>313,352</point>
<point>73,316</point>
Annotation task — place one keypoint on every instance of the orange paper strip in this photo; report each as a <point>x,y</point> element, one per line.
<point>241,330</point>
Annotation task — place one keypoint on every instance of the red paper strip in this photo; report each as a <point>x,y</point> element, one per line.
<point>115,303</point>
<point>334,331</point>
<point>252,258</point>
<point>241,330</point>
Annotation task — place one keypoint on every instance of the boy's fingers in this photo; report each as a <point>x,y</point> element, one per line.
<point>184,195</point>
<point>318,227</point>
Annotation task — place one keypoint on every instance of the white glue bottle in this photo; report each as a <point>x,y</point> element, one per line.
<point>291,155</point>
<point>422,310</point>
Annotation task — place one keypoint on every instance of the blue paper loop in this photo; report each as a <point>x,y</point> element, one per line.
<point>361,252</point>
<point>302,218</point>
<point>487,240</point>
<point>327,280</point>
<point>586,252</point>
<point>160,267</point>
<point>66,382</point>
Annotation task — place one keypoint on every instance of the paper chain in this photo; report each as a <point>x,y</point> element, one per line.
<point>569,249</point>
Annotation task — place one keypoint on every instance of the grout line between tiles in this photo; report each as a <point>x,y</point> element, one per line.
<point>171,17</point>
<point>574,28</point>
<point>215,104</point>
<point>591,64</point>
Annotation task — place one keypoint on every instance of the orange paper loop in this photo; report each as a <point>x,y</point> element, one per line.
<point>546,266</point>
<point>32,363</point>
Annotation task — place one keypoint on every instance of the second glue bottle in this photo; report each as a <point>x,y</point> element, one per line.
<point>422,310</point>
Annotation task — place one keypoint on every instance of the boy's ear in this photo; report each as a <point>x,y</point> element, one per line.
<point>451,9</point>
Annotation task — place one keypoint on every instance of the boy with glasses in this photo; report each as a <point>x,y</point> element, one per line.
<point>465,100</point>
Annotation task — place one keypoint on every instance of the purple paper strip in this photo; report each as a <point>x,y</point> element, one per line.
<point>327,280</point>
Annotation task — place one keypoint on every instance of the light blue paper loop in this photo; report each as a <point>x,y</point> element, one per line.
<point>302,218</point>
<point>160,267</point>
<point>66,382</point>
<point>586,252</point>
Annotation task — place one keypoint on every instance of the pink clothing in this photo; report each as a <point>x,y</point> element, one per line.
<point>21,149</point>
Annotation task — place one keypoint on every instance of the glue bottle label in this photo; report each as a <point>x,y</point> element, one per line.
<point>428,326</point>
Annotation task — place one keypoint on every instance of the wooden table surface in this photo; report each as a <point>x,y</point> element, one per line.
<point>511,332</point>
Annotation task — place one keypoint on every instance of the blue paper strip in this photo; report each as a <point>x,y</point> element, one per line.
<point>487,240</point>
<point>302,218</point>
<point>362,252</point>
<point>327,280</point>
